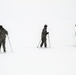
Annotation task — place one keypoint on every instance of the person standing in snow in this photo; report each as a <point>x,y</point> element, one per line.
<point>75,29</point>
<point>3,34</point>
<point>43,36</point>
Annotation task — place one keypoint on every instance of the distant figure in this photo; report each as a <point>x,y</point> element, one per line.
<point>43,36</point>
<point>75,29</point>
<point>3,34</point>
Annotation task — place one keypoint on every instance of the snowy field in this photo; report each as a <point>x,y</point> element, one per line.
<point>35,61</point>
<point>24,21</point>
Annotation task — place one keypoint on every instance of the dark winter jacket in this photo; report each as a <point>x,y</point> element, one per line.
<point>44,33</point>
<point>3,34</point>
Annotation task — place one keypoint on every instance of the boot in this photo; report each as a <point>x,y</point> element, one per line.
<point>4,50</point>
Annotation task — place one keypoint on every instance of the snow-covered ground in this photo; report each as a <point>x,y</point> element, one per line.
<point>36,61</point>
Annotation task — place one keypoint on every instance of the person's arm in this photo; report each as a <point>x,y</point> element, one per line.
<point>5,31</point>
<point>47,32</point>
<point>44,32</point>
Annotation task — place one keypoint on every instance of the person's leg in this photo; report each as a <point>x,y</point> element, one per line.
<point>0,46</point>
<point>45,44</point>
<point>41,43</point>
<point>4,45</point>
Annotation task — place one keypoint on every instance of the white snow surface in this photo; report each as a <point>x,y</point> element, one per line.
<point>37,61</point>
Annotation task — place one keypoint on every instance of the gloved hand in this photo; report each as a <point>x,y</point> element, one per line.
<point>47,32</point>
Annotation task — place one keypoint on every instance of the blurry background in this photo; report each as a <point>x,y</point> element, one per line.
<point>24,20</point>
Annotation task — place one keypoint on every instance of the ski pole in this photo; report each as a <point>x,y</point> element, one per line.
<point>38,43</point>
<point>10,43</point>
<point>49,40</point>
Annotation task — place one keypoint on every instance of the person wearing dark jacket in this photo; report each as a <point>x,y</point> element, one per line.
<point>43,36</point>
<point>3,34</point>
